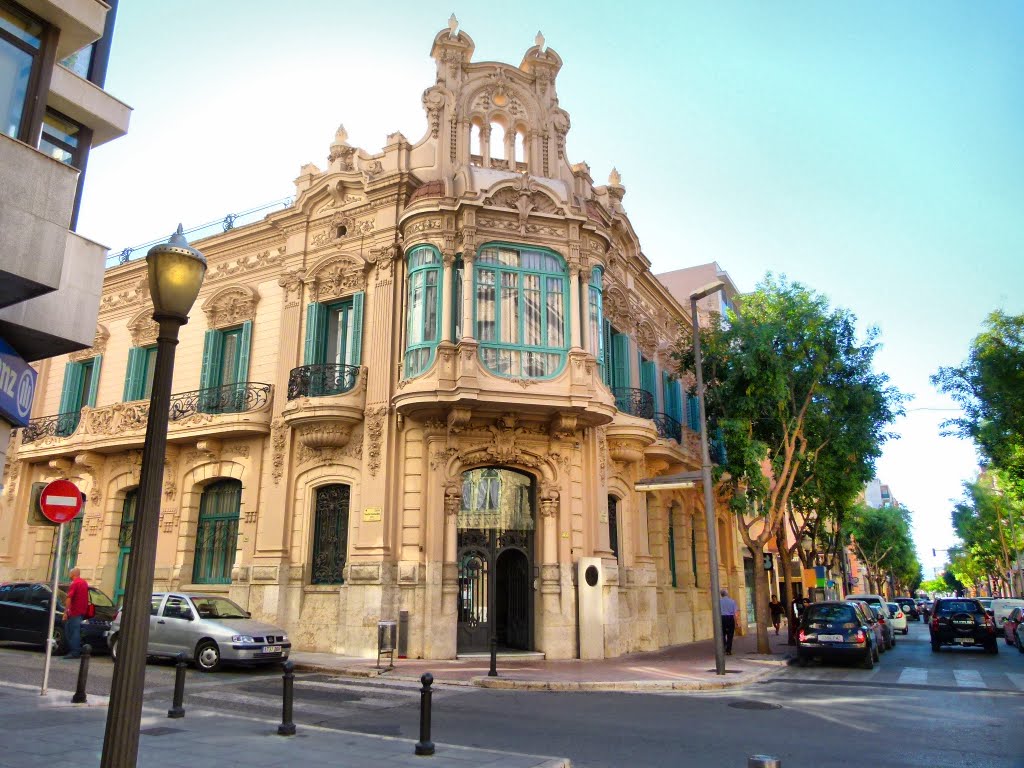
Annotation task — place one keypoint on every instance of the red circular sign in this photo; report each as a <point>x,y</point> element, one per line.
<point>60,501</point>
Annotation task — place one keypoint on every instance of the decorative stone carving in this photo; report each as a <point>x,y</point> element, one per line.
<point>331,454</point>
<point>168,519</point>
<point>626,449</point>
<point>563,426</point>
<point>126,298</point>
<point>452,498</point>
<point>341,150</point>
<point>325,435</point>
<point>434,99</point>
<point>143,329</point>
<point>335,277</point>
<point>278,439</point>
<point>548,500</point>
<point>231,305</point>
<point>441,457</point>
<point>374,435</point>
<point>291,282</point>
<point>384,259</point>
<point>224,270</point>
<point>424,225</point>
<point>99,346</point>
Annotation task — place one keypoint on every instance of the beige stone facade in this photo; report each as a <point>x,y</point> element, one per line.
<point>410,374</point>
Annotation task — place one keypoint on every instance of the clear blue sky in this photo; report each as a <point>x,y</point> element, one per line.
<point>873,151</point>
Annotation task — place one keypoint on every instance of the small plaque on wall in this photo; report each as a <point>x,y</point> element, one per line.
<point>371,515</point>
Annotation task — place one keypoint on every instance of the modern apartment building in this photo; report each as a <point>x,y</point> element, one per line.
<point>53,109</point>
<point>427,387</point>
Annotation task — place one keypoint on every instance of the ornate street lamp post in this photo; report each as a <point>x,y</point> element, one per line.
<point>176,272</point>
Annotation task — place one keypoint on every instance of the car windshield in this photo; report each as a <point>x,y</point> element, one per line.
<point>893,607</point>
<point>958,606</point>
<point>831,613</point>
<point>217,608</point>
<point>99,598</point>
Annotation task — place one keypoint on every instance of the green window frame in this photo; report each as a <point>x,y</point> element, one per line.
<point>330,534</point>
<point>673,396</point>
<point>693,413</point>
<point>138,380</point>
<point>225,369</point>
<point>81,386</point>
<point>334,345</point>
<point>217,532</point>
<point>606,338</point>
<point>124,542</point>
<point>521,310</point>
<point>619,361</point>
<point>649,381</point>
<point>423,310</point>
<point>595,318</point>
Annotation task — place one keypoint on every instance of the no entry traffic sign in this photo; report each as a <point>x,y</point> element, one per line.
<point>60,501</point>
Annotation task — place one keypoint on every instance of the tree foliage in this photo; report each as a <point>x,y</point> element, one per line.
<point>802,414</point>
<point>882,538</point>
<point>990,525</point>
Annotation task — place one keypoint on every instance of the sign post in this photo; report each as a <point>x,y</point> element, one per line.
<point>60,502</point>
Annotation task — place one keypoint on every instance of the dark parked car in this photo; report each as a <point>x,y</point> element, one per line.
<point>25,615</point>
<point>1010,626</point>
<point>962,621</point>
<point>832,630</point>
<point>908,606</point>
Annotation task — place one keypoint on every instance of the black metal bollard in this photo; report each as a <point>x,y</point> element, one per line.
<point>83,676</point>
<point>425,746</point>
<point>287,727</point>
<point>177,710</point>
<point>493,672</point>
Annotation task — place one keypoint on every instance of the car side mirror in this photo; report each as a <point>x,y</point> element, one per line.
<point>43,602</point>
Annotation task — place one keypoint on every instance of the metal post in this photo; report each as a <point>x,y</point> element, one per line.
<point>709,501</point>
<point>83,676</point>
<point>493,672</point>
<point>287,727</point>
<point>53,611</point>
<point>177,710</point>
<point>425,746</point>
<point>124,712</point>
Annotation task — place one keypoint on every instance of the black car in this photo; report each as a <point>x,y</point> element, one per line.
<point>962,621</point>
<point>831,630</point>
<point>25,615</point>
<point>908,606</point>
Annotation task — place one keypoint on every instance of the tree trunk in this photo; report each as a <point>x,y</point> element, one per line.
<point>760,596</point>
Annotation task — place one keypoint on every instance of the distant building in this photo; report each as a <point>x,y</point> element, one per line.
<point>682,282</point>
<point>53,110</point>
<point>878,494</point>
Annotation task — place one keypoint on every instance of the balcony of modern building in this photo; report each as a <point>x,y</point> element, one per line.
<point>231,411</point>
<point>327,398</point>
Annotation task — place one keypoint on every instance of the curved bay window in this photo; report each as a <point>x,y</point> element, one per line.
<point>521,322</point>
<point>217,532</point>
<point>330,534</point>
<point>595,318</point>
<point>424,315</point>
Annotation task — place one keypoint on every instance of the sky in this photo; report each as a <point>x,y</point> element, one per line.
<point>871,151</point>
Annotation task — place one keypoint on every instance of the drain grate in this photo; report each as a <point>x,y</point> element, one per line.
<point>160,730</point>
<point>745,704</point>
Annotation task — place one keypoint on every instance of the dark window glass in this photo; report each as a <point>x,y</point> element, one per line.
<point>831,613</point>
<point>330,534</point>
<point>60,138</point>
<point>613,525</point>
<point>217,532</point>
<point>17,593</point>
<point>20,44</point>
<point>79,61</point>
<point>959,606</point>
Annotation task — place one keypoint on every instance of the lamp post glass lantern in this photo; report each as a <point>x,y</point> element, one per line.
<point>709,503</point>
<point>176,272</point>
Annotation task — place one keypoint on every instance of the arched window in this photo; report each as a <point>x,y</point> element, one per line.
<point>595,316</point>
<point>497,141</point>
<point>424,312</point>
<point>330,534</point>
<point>217,532</point>
<point>613,525</point>
<point>520,150</point>
<point>475,150</point>
<point>521,322</point>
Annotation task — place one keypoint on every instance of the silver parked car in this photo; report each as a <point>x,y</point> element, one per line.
<point>209,629</point>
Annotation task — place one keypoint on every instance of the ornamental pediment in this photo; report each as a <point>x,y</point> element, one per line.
<point>231,305</point>
<point>336,276</point>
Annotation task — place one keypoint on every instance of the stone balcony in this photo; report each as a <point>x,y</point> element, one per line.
<point>325,402</point>
<point>236,410</point>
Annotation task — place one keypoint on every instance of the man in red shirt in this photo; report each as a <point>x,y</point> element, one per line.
<point>74,613</point>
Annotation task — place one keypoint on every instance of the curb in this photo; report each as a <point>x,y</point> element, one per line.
<point>500,683</point>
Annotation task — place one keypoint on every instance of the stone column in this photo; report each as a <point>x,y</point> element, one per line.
<point>485,145</point>
<point>446,297</point>
<point>467,295</point>
<point>572,311</point>
<point>549,531</point>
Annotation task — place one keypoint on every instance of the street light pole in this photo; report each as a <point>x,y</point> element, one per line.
<point>176,272</point>
<point>709,503</point>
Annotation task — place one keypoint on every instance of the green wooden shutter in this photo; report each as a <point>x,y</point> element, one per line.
<point>94,381</point>
<point>69,395</point>
<point>357,327</point>
<point>213,345</point>
<point>243,352</point>
<point>620,360</point>
<point>316,333</point>
<point>607,369</point>
<point>693,417</point>
<point>131,376</point>
<point>649,381</point>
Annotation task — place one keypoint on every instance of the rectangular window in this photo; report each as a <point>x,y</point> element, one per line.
<point>81,384</point>
<point>60,139</point>
<point>556,312</point>
<point>457,277</point>
<point>225,369</point>
<point>486,321</point>
<point>138,383</point>
<point>21,48</point>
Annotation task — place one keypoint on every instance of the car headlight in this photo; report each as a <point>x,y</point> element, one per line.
<point>241,639</point>
<point>284,638</point>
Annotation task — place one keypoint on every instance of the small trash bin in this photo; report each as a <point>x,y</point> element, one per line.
<point>387,632</point>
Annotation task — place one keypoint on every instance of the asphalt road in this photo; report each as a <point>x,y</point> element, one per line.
<point>960,707</point>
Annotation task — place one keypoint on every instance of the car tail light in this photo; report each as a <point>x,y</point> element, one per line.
<point>990,623</point>
<point>935,621</point>
<point>802,636</point>
<point>899,614</point>
<point>860,637</point>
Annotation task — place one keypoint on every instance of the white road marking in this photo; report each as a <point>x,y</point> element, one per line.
<point>913,676</point>
<point>1017,679</point>
<point>969,678</point>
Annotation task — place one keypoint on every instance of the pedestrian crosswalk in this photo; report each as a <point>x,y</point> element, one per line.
<point>931,677</point>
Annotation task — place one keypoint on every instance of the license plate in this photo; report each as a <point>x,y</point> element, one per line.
<point>964,640</point>
<point>271,648</point>
<point>830,638</point>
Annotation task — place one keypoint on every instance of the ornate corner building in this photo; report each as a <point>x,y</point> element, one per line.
<point>427,386</point>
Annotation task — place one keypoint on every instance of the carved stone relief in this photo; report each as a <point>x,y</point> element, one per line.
<point>99,346</point>
<point>143,329</point>
<point>230,306</point>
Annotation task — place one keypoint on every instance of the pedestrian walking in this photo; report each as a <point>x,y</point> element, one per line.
<point>75,608</point>
<point>777,609</point>
<point>728,619</point>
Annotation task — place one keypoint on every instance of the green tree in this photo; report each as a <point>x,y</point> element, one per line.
<point>793,394</point>
<point>882,539</point>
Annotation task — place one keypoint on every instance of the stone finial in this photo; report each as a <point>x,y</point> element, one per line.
<point>615,178</point>
<point>539,40</point>
<point>453,26</point>
<point>341,135</point>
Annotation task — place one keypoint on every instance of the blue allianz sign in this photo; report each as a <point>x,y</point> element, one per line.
<point>17,386</point>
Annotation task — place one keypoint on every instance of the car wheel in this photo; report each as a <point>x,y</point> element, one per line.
<point>112,645</point>
<point>906,631</point>
<point>60,645</point>
<point>870,657</point>
<point>208,656</point>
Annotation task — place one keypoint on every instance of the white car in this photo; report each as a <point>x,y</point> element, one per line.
<point>899,619</point>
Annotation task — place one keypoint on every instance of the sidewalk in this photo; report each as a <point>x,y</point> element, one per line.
<point>42,732</point>
<point>689,667</point>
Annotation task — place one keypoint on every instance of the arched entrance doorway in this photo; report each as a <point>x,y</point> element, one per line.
<point>495,557</point>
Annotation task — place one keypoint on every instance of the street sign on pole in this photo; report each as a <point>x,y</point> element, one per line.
<point>60,501</point>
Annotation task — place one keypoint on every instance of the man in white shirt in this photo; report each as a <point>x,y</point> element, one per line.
<point>728,619</point>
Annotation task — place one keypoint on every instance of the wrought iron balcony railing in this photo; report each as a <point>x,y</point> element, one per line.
<point>58,425</point>
<point>636,402</point>
<point>668,428</point>
<point>231,398</point>
<point>321,380</point>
